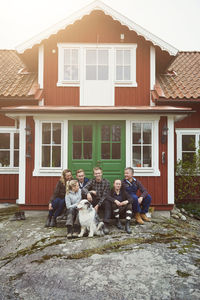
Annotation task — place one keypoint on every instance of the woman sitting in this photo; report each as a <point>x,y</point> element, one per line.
<point>121,204</point>
<point>72,197</point>
<point>57,201</point>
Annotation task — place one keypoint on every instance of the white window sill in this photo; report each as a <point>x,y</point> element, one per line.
<point>47,172</point>
<point>125,84</point>
<point>145,172</point>
<point>8,170</point>
<point>68,83</point>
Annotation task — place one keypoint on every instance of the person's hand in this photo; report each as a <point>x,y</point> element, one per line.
<point>140,200</point>
<point>89,197</point>
<point>118,203</point>
<point>93,192</point>
<point>96,207</point>
<point>124,202</point>
<point>50,206</point>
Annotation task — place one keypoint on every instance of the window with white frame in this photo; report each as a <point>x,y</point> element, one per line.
<point>9,148</point>
<point>188,143</point>
<point>51,145</point>
<point>78,63</point>
<point>142,146</point>
<point>97,66</point>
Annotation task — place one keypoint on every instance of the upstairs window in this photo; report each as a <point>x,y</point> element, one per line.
<point>123,65</point>
<point>71,65</point>
<point>9,149</point>
<point>97,64</point>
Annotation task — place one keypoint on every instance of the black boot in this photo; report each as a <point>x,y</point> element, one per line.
<point>69,231</point>
<point>48,222</point>
<point>105,228</point>
<point>118,223</point>
<point>76,231</point>
<point>16,217</point>
<point>53,222</point>
<point>127,227</point>
<point>22,215</point>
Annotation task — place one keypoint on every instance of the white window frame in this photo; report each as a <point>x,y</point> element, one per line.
<point>49,171</point>
<point>112,67</point>
<point>144,171</point>
<point>186,131</point>
<point>11,169</point>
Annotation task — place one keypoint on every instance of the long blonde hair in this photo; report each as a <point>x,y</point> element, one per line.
<point>70,185</point>
<point>62,178</point>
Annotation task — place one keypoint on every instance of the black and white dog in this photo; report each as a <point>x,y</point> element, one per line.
<point>89,219</point>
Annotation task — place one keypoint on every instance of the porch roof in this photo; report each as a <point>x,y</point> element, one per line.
<point>30,110</point>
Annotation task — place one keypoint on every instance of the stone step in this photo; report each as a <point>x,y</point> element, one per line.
<point>7,209</point>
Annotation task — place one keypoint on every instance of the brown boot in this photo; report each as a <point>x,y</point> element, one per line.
<point>138,219</point>
<point>144,217</point>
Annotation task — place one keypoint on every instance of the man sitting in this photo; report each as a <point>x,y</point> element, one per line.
<point>141,204</point>
<point>121,204</point>
<point>96,191</point>
<point>82,180</point>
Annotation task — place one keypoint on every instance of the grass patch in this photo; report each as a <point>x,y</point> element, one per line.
<point>182,274</point>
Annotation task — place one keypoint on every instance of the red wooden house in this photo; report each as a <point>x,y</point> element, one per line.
<point>94,90</point>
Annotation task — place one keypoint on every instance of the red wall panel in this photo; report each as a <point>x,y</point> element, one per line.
<point>8,187</point>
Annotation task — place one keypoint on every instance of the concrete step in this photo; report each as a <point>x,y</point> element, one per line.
<point>7,209</point>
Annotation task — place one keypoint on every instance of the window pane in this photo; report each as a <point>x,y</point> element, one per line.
<point>105,133</point>
<point>116,151</point>
<point>91,72</point>
<point>77,133</point>
<point>74,57</point>
<point>119,57</point>
<point>67,60</point>
<point>147,156</point>
<point>4,140</point>
<point>91,57</point>
<point>147,133</point>
<point>188,142</point>
<point>56,156</point>
<point>127,73</point>
<point>103,72</point>
<point>105,151</point>
<point>136,131</point>
<point>16,158</point>
<point>87,150</point>
<point>188,157</point>
<point>116,133</point>
<point>103,57</point>
<point>46,133</point>
<point>77,153</point>
<point>67,72</point>
<point>4,158</point>
<point>127,57</point>
<point>16,140</point>
<point>87,133</point>
<point>45,156</point>
<point>137,156</point>
<point>56,133</point>
<point>119,73</point>
<point>74,73</point>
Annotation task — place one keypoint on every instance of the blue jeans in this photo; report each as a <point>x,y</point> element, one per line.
<point>143,207</point>
<point>58,205</point>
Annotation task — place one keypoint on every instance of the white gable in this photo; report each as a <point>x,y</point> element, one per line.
<point>97,5</point>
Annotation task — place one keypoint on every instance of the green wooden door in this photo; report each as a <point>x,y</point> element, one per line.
<point>97,143</point>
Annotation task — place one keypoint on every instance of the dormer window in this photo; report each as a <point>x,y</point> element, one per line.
<point>71,65</point>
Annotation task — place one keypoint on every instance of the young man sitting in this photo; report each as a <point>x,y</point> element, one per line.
<point>121,204</point>
<point>96,191</point>
<point>82,180</point>
<point>140,204</point>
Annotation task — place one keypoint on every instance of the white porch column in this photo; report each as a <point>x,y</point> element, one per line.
<point>22,161</point>
<point>128,143</point>
<point>170,160</point>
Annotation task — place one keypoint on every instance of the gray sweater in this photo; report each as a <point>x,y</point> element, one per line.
<point>72,199</point>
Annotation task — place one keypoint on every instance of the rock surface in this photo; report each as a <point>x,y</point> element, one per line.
<point>159,260</point>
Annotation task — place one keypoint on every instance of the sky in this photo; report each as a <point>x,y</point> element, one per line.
<point>174,21</point>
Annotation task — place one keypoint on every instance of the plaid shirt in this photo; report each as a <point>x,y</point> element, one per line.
<point>102,189</point>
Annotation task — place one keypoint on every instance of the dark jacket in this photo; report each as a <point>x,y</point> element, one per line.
<point>124,194</point>
<point>84,182</point>
<point>132,187</point>
<point>59,192</point>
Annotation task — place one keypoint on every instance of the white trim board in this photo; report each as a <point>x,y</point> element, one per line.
<point>170,150</point>
<point>97,5</point>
